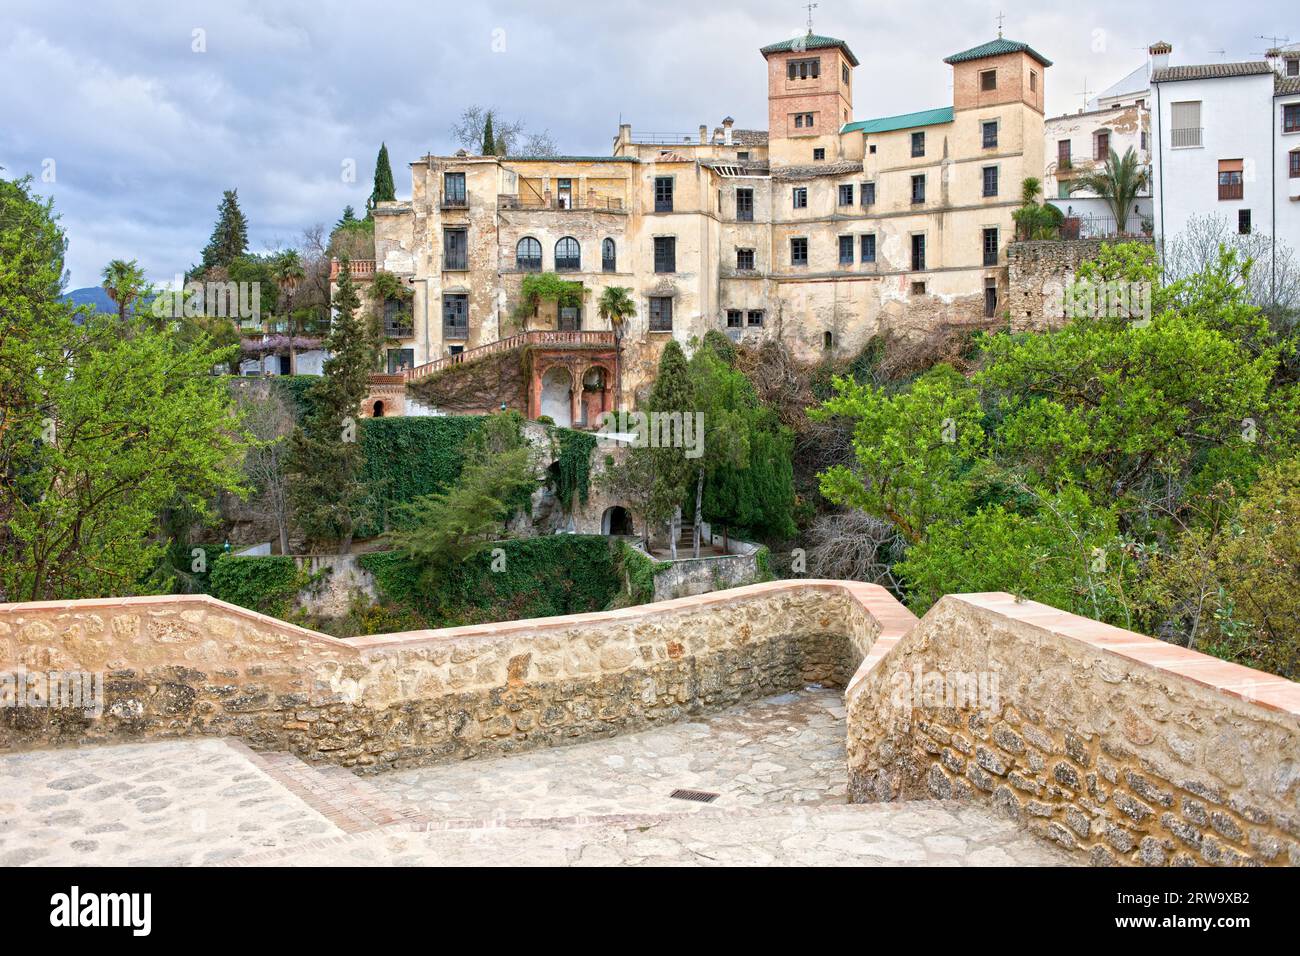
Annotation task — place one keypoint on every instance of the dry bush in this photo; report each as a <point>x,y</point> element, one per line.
<point>853,546</point>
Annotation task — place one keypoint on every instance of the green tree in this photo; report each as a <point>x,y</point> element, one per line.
<point>1035,220</point>
<point>489,147</point>
<point>101,431</point>
<point>326,490</point>
<point>123,281</point>
<point>673,394</point>
<point>229,238</point>
<point>288,273</point>
<point>1118,182</point>
<point>384,190</point>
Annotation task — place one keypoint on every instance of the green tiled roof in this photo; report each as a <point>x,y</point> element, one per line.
<point>569,159</point>
<point>809,42</point>
<point>997,48</point>
<point>883,124</point>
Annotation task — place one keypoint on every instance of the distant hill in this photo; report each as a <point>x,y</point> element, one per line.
<point>92,295</point>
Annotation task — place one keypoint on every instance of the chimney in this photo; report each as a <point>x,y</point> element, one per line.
<point>1274,58</point>
<point>704,135</point>
<point>1160,55</point>
<point>727,123</point>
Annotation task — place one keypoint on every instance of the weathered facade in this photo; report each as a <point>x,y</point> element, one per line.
<point>822,230</point>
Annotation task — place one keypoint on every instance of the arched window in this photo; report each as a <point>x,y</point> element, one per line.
<point>568,255</point>
<point>528,255</point>
<point>608,261</point>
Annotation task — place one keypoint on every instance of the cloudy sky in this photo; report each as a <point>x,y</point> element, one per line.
<point>135,116</point>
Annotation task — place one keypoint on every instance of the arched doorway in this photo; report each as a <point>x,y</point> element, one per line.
<point>557,391</point>
<point>616,520</point>
<point>378,410</point>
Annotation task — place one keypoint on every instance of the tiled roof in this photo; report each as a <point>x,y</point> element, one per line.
<point>1286,85</point>
<point>997,48</point>
<point>814,171</point>
<point>809,42</point>
<point>749,137</point>
<point>569,159</point>
<point>883,124</point>
<point>1210,71</point>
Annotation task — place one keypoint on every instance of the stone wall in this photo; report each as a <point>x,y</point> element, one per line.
<point>1123,749</point>
<point>186,665</point>
<point>1038,274</point>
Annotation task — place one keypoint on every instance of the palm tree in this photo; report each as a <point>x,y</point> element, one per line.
<point>1118,183</point>
<point>123,281</point>
<point>287,271</point>
<point>616,307</point>
<point>1035,220</point>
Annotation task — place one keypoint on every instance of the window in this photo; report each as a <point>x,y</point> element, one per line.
<point>868,194</point>
<point>918,189</point>
<point>735,318</point>
<point>990,297</point>
<point>398,322</point>
<point>1033,81</point>
<point>742,154</point>
<point>455,316</point>
<point>745,259</point>
<point>918,144</point>
<point>665,254</point>
<point>918,253</point>
<point>846,250</point>
<point>528,255</point>
<point>990,181</point>
<point>918,288</point>
<point>568,255</point>
<point>455,249</point>
<point>399,359</point>
<point>800,197</point>
<point>608,256</point>
<point>661,313</point>
<point>1142,140</point>
<point>872,149</point>
<point>1291,118</point>
<point>991,247</point>
<point>1243,221</point>
<point>799,251</point>
<point>663,194</point>
<point>1294,165</point>
<point>455,349</point>
<point>1185,124</point>
<point>844,72</point>
<point>819,154</point>
<point>754,317</point>
<point>828,340</point>
<point>453,190</point>
<point>989,129</point>
<point>1293,67</point>
<point>808,69</point>
<point>1101,146</point>
<point>846,194</point>
<point>803,121</point>
<point>988,80</point>
<point>570,318</point>
<point>745,205</point>
<point>1230,184</point>
<point>1063,153</point>
<point>868,247</point>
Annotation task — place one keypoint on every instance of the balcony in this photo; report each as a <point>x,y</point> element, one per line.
<point>589,203</point>
<point>1186,138</point>
<point>360,269</point>
<point>401,328</point>
<point>455,332</point>
<point>457,262</point>
<point>1231,191</point>
<point>454,202</point>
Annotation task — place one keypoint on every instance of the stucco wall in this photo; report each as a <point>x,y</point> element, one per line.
<point>1123,749</point>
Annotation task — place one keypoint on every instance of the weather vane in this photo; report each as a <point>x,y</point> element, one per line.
<point>811,7</point>
<point>1001,16</point>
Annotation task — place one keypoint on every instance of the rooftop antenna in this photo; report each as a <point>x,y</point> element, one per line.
<point>1085,92</point>
<point>1000,17</point>
<point>1274,42</point>
<point>1222,53</point>
<point>811,7</point>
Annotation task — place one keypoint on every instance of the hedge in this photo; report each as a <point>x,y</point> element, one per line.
<point>267,584</point>
<point>638,570</point>
<point>541,577</point>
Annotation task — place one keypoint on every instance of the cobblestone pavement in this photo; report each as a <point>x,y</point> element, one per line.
<point>777,765</point>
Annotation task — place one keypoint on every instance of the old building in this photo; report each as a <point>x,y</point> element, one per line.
<point>1227,144</point>
<point>824,230</point>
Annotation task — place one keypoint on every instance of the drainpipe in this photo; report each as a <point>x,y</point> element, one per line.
<point>1160,162</point>
<point>1272,171</point>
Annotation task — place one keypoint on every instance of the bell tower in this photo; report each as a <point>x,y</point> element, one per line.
<point>809,93</point>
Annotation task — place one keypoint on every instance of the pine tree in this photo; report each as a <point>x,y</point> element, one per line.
<point>673,394</point>
<point>383,191</point>
<point>489,142</point>
<point>325,457</point>
<point>229,236</point>
<point>349,216</point>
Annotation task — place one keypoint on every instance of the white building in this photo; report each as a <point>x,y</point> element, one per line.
<point>1119,119</point>
<point>1227,144</point>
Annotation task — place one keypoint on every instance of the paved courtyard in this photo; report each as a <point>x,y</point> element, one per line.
<point>777,767</point>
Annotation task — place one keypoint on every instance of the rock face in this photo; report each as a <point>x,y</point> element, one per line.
<point>1121,749</point>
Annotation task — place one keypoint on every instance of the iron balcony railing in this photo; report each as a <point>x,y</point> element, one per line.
<point>454,202</point>
<point>1190,136</point>
<point>455,262</point>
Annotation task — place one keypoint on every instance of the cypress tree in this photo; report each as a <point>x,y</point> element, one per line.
<point>229,236</point>
<point>489,143</point>
<point>325,459</point>
<point>383,191</point>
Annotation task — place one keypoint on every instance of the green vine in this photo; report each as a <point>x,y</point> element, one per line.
<point>638,571</point>
<point>573,464</point>
<point>385,287</point>
<point>547,286</point>
<point>267,584</point>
